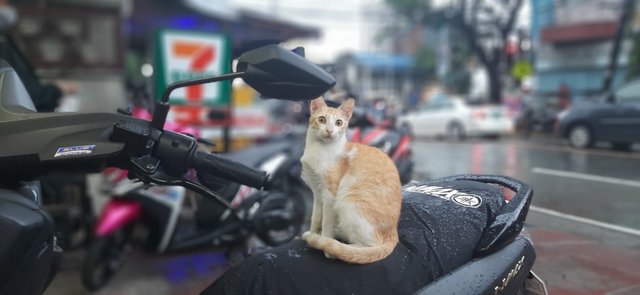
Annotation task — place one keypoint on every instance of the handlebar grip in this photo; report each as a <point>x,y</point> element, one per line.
<point>228,169</point>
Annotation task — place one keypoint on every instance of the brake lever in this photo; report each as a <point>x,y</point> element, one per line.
<point>160,178</point>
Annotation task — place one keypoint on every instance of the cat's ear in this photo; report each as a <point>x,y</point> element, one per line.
<point>317,104</point>
<point>347,107</point>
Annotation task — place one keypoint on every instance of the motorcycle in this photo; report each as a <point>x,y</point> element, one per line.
<point>39,143</point>
<point>486,251</point>
<point>178,219</point>
<point>504,256</point>
<point>395,142</point>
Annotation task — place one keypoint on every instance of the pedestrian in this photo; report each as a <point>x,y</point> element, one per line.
<point>564,97</point>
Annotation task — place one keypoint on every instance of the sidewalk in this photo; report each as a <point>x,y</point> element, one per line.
<point>575,258</point>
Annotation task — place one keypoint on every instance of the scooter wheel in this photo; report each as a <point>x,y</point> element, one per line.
<point>104,258</point>
<point>292,203</point>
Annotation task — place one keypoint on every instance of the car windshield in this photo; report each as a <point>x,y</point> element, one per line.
<point>629,93</point>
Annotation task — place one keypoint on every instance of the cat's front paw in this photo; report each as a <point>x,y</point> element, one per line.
<point>306,235</point>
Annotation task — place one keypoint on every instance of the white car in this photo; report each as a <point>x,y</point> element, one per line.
<point>453,118</point>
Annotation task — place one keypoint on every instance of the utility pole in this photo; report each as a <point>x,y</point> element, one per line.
<point>627,9</point>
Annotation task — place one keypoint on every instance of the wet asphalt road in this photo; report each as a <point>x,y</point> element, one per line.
<point>584,218</point>
<point>597,186</point>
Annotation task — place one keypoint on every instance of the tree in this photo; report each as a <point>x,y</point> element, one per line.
<point>485,24</point>
<point>625,17</point>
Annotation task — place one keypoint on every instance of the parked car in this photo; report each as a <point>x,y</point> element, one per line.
<point>453,118</point>
<point>617,122</point>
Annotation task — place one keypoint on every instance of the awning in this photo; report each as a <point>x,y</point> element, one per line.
<point>247,29</point>
<point>582,32</point>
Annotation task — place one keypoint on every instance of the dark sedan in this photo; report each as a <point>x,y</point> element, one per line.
<point>617,122</point>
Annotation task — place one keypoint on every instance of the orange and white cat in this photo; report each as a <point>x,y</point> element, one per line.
<point>356,189</point>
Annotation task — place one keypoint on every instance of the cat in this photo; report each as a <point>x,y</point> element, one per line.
<point>356,189</point>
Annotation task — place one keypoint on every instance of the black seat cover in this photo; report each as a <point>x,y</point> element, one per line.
<point>440,225</point>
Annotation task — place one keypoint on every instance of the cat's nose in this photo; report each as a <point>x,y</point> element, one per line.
<point>329,131</point>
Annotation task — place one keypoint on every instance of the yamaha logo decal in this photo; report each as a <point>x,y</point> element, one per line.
<point>467,200</point>
<point>449,194</point>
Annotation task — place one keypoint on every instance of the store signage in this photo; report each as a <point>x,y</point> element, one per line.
<point>186,55</point>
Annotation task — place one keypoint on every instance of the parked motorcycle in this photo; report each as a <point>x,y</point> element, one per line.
<point>179,219</point>
<point>458,235</point>
<point>38,143</point>
<point>395,142</point>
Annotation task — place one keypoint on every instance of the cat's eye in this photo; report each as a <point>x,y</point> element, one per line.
<point>322,119</point>
<point>339,123</point>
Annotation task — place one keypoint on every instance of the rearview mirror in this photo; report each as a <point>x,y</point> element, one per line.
<point>271,70</point>
<point>279,73</point>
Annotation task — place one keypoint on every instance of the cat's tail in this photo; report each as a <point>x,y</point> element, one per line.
<point>351,253</point>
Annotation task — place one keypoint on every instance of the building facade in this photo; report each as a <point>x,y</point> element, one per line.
<point>573,41</point>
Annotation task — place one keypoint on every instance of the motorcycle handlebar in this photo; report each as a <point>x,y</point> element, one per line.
<point>231,170</point>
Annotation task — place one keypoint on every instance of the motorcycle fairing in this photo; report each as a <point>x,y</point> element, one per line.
<point>34,143</point>
<point>33,256</point>
<point>35,146</point>
<point>513,263</point>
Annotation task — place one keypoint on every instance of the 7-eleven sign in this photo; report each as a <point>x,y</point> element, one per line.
<point>185,55</point>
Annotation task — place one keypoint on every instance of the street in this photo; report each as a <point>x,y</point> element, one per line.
<point>583,219</point>
<point>597,184</point>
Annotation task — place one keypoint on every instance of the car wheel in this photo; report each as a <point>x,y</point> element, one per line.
<point>621,146</point>
<point>455,131</point>
<point>580,136</point>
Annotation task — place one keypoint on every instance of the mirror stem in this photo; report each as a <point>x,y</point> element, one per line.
<point>162,107</point>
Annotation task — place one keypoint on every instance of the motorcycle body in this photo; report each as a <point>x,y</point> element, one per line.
<point>32,258</point>
<point>505,255</point>
<point>508,271</point>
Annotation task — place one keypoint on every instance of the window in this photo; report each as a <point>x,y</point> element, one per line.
<point>438,101</point>
<point>629,93</point>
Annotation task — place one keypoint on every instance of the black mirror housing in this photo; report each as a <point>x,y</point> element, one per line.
<point>279,73</point>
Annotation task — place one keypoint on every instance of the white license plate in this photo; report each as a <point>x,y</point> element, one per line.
<point>534,285</point>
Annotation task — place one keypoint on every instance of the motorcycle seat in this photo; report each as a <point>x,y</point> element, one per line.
<point>442,225</point>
